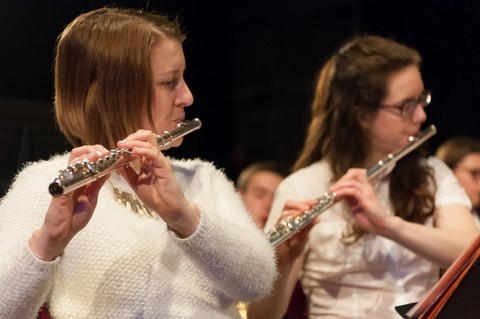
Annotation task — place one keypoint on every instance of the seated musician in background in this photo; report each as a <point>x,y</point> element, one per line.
<point>383,244</point>
<point>462,155</point>
<point>119,81</point>
<point>256,184</point>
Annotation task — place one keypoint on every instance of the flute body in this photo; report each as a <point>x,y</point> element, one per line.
<point>286,228</point>
<point>81,173</point>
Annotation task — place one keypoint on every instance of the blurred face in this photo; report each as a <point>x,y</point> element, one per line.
<point>468,175</point>
<point>389,128</point>
<point>258,195</point>
<point>170,93</point>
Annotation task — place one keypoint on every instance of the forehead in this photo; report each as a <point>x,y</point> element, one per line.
<point>265,178</point>
<point>167,56</point>
<point>404,84</point>
<point>471,160</point>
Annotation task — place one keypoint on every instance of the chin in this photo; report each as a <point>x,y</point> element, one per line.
<point>177,142</point>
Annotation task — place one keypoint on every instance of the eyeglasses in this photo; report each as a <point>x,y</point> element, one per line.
<point>408,107</point>
<point>474,173</point>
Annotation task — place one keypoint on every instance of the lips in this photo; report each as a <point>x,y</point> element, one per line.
<point>415,131</point>
<point>180,119</point>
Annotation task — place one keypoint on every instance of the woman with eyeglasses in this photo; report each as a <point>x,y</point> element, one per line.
<point>383,244</point>
<point>462,155</point>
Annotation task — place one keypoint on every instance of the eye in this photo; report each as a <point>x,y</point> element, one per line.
<point>170,84</point>
<point>409,106</point>
<point>475,174</point>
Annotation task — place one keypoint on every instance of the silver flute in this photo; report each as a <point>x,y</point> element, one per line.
<point>288,227</point>
<point>83,172</point>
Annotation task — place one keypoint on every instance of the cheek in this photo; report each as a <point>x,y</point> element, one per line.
<point>252,202</point>
<point>464,182</point>
<point>249,200</point>
<point>381,132</point>
<point>390,133</point>
<point>160,113</point>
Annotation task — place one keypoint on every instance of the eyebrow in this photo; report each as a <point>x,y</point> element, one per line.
<point>401,103</point>
<point>176,71</point>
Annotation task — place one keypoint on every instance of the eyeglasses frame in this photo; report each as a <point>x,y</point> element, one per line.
<point>407,108</point>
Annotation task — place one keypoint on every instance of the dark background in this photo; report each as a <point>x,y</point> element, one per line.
<point>251,68</point>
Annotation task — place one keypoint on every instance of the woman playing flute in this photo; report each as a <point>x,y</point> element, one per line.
<point>383,245</point>
<point>159,238</point>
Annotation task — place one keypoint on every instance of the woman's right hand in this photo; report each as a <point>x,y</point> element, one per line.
<point>68,213</point>
<point>289,259</point>
<point>292,248</point>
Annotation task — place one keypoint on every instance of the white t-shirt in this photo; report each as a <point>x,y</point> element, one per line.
<point>369,278</point>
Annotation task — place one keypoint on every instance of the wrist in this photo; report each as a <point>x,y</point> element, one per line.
<point>44,247</point>
<point>391,227</point>
<point>188,223</point>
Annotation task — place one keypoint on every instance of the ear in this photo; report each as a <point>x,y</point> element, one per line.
<point>365,119</point>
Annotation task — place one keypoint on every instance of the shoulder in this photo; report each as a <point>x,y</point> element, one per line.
<point>306,183</point>
<point>318,173</point>
<point>197,170</point>
<point>436,163</point>
<point>189,167</point>
<point>319,167</point>
<point>47,169</point>
<point>443,174</point>
<point>28,193</point>
<point>449,190</point>
<point>440,169</point>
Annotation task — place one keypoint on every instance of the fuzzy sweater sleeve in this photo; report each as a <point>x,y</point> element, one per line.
<point>25,280</point>
<point>232,251</point>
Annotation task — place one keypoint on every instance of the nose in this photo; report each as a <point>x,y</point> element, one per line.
<point>419,116</point>
<point>267,203</point>
<point>184,96</point>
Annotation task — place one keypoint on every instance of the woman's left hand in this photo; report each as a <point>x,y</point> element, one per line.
<point>366,208</point>
<point>156,185</point>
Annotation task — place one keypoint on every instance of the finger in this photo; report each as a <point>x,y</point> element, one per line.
<point>303,234</point>
<point>129,175</point>
<point>90,152</point>
<point>353,174</point>
<point>140,135</point>
<point>349,187</point>
<point>301,206</point>
<point>356,173</point>
<point>92,189</point>
<point>139,139</point>
<point>159,164</point>
<point>150,152</point>
<point>86,197</point>
<point>357,210</point>
<point>346,182</point>
<point>290,213</point>
<point>310,202</point>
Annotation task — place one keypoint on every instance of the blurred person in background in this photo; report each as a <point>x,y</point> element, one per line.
<point>256,184</point>
<point>462,155</point>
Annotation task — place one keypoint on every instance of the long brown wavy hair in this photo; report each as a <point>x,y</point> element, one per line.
<point>349,88</point>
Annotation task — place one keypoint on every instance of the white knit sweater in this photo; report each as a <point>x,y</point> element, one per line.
<point>123,265</point>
